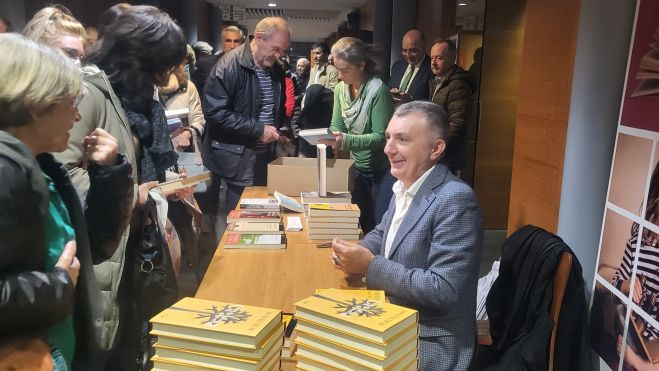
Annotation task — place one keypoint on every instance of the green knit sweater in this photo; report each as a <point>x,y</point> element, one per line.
<point>367,149</point>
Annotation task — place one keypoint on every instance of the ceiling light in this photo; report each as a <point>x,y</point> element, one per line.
<point>272,5</point>
<point>462,4</point>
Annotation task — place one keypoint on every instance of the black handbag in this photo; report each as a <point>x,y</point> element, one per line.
<point>154,280</point>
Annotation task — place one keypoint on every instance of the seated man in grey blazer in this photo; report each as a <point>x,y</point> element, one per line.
<point>425,253</point>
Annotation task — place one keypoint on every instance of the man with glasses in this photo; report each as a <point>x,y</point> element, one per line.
<point>410,75</point>
<point>244,109</point>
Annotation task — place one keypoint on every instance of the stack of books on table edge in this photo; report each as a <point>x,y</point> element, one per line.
<point>343,331</point>
<point>255,241</point>
<point>263,204</point>
<point>326,221</point>
<point>307,198</point>
<point>196,334</point>
<point>254,216</point>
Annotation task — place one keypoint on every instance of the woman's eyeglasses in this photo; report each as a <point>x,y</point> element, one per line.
<point>78,98</point>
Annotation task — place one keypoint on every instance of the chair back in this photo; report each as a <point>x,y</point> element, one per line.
<point>560,282</point>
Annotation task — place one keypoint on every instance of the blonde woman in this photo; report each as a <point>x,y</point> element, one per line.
<point>55,26</point>
<point>46,257</point>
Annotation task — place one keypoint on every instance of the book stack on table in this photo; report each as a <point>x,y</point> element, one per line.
<point>256,225</point>
<point>343,331</point>
<point>196,334</point>
<point>326,221</point>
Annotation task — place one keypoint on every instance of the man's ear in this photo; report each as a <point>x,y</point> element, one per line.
<point>438,150</point>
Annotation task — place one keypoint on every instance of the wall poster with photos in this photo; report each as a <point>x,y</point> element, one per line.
<point>624,321</point>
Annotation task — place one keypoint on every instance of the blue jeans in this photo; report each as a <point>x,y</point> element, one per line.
<point>372,193</point>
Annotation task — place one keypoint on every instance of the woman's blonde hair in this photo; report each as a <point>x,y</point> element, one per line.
<point>36,77</point>
<point>50,23</point>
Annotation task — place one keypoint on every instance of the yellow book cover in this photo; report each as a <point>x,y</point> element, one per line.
<point>169,364</point>
<point>226,323</point>
<point>335,207</point>
<point>208,359</point>
<point>356,354</point>
<point>341,210</point>
<point>276,339</point>
<point>370,319</point>
<point>347,339</point>
<point>367,294</point>
<point>331,360</point>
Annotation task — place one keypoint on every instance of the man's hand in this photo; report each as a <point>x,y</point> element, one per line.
<point>405,97</point>
<point>143,192</point>
<point>69,262</point>
<point>269,134</point>
<point>100,148</point>
<point>350,257</point>
<point>183,140</point>
<point>284,140</point>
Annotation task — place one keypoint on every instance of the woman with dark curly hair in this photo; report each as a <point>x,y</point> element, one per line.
<point>138,48</point>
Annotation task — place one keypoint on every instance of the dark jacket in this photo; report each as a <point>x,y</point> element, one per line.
<point>32,299</point>
<point>231,105</point>
<point>316,113</point>
<point>203,68</point>
<point>518,308</point>
<point>456,95</point>
<point>418,88</point>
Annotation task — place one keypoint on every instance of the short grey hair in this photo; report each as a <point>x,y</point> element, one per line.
<point>39,76</point>
<point>270,25</point>
<point>434,115</point>
<point>234,29</point>
<point>305,61</point>
<point>355,51</point>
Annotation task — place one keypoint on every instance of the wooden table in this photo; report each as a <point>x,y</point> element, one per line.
<point>272,278</point>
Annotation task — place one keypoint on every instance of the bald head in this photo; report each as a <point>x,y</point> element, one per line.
<point>414,46</point>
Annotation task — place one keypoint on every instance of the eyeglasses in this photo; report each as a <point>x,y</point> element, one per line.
<point>78,98</point>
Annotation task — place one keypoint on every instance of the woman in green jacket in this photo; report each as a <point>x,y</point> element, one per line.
<point>363,107</point>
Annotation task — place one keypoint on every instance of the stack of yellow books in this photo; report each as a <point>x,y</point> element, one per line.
<point>342,331</point>
<point>196,334</point>
<point>326,221</point>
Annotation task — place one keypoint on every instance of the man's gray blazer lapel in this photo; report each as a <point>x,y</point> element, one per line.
<point>422,200</point>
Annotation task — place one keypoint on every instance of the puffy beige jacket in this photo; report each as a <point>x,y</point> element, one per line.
<point>175,97</point>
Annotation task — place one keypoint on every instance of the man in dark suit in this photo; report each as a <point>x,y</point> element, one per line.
<point>410,75</point>
<point>425,253</point>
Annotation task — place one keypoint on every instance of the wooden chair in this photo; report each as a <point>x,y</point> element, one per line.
<point>560,282</point>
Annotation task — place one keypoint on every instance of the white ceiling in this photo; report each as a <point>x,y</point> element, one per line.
<point>309,20</point>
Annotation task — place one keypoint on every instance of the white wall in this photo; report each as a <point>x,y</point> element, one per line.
<point>599,70</point>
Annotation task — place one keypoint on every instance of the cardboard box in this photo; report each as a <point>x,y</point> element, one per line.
<point>293,175</point>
